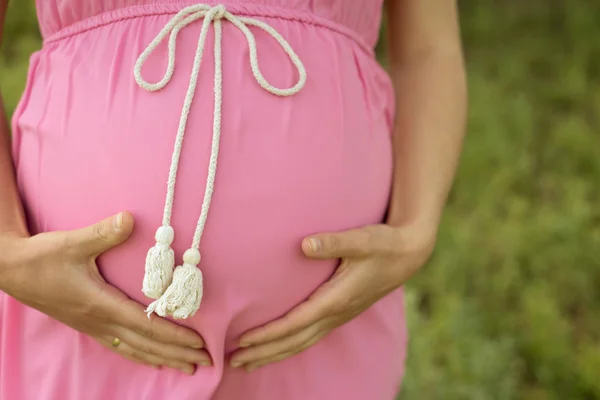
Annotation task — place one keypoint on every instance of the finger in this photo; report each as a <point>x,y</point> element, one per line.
<point>101,236</point>
<point>131,353</point>
<point>272,349</point>
<point>353,243</point>
<point>104,341</point>
<point>140,361</point>
<point>163,350</point>
<point>137,360</point>
<point>126,313</point>
<point>316,308</point>
<point>282,356</point>
<point>131,315</point>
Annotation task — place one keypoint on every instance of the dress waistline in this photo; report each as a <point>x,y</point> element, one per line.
<point>247,10</point>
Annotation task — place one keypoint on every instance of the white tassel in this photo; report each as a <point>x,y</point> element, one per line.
<point>160,261</point>
<point>182,298</point>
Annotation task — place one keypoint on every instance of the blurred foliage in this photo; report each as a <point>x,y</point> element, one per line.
<point>21,37</point>
<point>509,306</point>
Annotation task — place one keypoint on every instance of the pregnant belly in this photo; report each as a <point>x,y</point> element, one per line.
<point>91,144</point>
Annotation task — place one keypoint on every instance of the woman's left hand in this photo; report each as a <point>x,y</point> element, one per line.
<point>375,260</point>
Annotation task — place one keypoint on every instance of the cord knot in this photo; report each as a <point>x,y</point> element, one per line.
<point>220,11</point>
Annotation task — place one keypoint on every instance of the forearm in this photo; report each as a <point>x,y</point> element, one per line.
<point>427,138</point>
<point>431,101</point>
<point>12,217</point>
<point>12,220</point>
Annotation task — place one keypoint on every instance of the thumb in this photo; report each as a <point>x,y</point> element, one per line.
<point>102,236</point>
<point>352,243</point>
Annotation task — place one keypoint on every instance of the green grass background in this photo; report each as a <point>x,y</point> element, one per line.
<point>509,306</point>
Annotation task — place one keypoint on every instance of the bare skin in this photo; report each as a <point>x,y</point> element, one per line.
<point>426,65</point>
<point>56,273</point>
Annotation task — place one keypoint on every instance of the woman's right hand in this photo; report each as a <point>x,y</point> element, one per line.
<point>56,273</point>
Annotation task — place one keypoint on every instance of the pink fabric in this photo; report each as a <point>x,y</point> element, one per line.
<point>88,142</point>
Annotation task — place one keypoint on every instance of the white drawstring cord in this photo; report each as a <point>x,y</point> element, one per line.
<point>179,293</point>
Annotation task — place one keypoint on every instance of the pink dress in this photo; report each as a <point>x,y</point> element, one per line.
<point>89,142</point>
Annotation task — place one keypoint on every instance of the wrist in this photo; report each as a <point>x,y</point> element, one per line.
<point>422,212</point>
<point>14,227</point>
<point>416,236</point>
<point>426,224</point>
<point>11,255</point>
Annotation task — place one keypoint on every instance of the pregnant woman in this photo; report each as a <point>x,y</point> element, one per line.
<point>282,188</point>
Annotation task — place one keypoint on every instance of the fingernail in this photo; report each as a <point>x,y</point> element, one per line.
<point>118,222</point>
<point>205,363</point>
<point>197,346</point>
<point>188,370</point>
<point>315,244</point>
<point>236,364</point>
